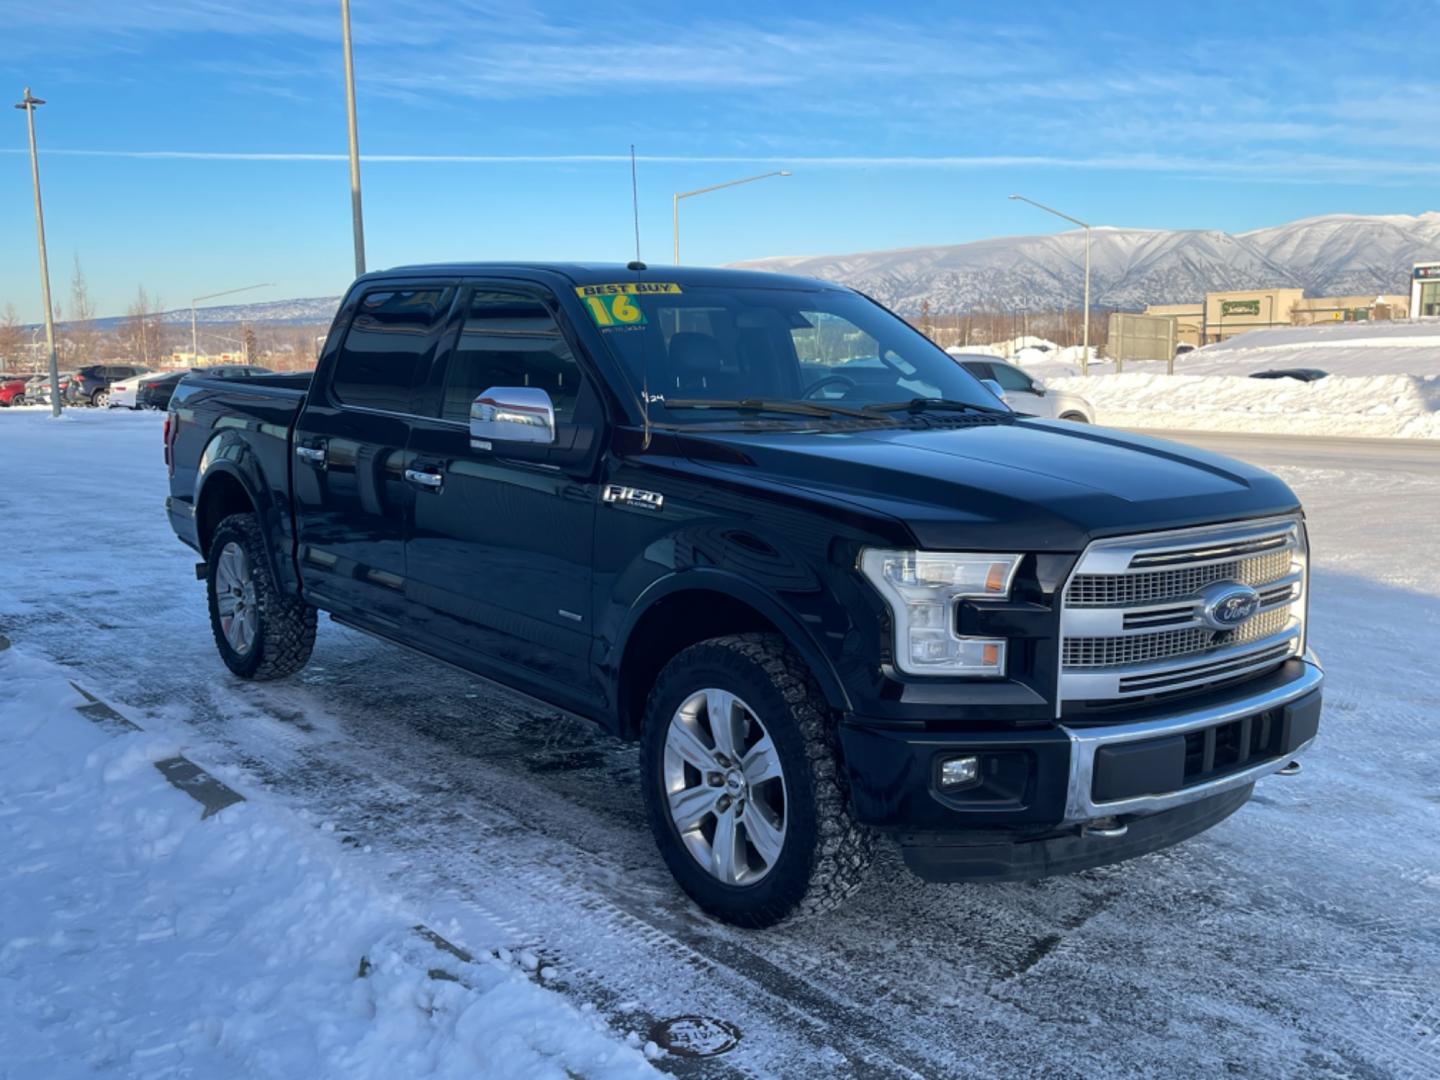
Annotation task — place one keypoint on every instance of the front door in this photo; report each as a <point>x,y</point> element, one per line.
<point>352,500</point>
<point>499,549</point>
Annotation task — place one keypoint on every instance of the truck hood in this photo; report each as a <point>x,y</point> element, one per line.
<point>1031,485</point>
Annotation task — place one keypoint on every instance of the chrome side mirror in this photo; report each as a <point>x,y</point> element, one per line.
<point>996,389</point>
<point>517,414</point>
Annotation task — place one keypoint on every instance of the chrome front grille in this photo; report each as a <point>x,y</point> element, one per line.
<point>1139,648</point>
<point>1133,619</point>
<point>1111,590</point>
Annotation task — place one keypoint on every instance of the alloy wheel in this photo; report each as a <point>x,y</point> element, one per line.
<point>235,598</point>
<point>725,787</point>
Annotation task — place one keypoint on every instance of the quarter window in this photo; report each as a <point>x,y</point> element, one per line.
<point>509,339</point>
<point>388,347</point>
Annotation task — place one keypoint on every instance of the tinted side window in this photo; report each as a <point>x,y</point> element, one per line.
<point>388,345</point>
<point>509,339</point>
<point>1009,378</point>
<point>978,368</point>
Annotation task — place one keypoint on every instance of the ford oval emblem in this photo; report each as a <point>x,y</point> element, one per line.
<point>1227,604</point>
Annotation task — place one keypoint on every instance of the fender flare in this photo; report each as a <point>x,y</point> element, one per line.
<point>226,455</point>
<point>714,579</point>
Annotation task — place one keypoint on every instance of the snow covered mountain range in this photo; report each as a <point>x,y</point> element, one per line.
<point>1334,255</point>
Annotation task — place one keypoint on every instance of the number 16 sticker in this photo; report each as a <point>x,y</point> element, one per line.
<point>617,309</point>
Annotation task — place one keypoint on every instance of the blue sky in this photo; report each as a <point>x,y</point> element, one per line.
<point>193,147</point>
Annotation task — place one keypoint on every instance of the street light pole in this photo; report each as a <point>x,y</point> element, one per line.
<point>30,104</point>
<point>194,338</point>
<point>675,201</point>
<point>1085,331</point>
<point>357,218</point>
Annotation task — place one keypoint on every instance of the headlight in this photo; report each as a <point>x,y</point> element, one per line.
<point>921,588</point>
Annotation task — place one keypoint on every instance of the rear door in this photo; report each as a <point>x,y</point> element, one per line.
<point>499,549</point>
<point>351,498</point>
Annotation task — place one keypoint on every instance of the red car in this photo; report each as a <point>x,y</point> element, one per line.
<point>12,392</point>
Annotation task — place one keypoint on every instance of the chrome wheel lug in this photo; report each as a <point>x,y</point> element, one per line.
<point>715,779</point>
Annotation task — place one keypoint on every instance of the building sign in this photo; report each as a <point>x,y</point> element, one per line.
<point>1239,307</point>
<point>1427,270</point>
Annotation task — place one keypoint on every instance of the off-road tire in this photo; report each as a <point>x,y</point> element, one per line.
<point>826,853</point>
<point>286,633</point>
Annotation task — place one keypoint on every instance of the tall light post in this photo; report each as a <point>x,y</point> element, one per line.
<point>357,218</point>
<point>30,103</point>
<point>675,203</point>
<point>1085,332</point>
<point>194,337</point>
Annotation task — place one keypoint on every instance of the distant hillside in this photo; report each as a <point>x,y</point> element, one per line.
<point>302,312</point>
<point>1335,255</point>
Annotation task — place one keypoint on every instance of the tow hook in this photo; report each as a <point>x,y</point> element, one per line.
<point>1105,828</point>
<point>1289,770</point>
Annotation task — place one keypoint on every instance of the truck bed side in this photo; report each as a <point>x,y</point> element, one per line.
<point>229,449</point>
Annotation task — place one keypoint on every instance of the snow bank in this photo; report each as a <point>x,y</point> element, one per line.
<point>1404,406</point>
<point>137,940</point>
<point>1410,347</point>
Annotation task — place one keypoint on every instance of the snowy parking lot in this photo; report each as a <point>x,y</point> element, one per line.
<point>1301,937</point>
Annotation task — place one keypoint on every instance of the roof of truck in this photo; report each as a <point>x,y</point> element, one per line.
<point>606,273</point>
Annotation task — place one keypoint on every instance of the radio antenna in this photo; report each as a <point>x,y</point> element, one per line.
<point>635,200</point>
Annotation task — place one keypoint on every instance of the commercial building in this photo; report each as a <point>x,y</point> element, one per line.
<point>1425,289</point>
<point>1225,314</point>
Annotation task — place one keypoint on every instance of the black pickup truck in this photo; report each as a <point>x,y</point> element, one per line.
<point>834,587</point>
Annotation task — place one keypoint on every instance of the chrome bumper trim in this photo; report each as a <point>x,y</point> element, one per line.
<point>1084,742</point>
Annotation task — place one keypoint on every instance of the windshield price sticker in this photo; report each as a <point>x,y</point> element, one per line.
<point>611,305</point>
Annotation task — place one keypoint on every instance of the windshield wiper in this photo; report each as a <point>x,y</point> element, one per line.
<point>924,404</point>
<point>770,405</point>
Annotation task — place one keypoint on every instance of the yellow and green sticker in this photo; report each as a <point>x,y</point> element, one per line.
<point>613,305</point>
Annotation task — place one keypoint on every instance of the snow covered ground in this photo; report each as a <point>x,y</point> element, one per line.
<point>138,940</point>
<point>1301,937</point>
<point>1384,382</point>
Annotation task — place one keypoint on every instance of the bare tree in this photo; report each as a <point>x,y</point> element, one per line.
<point>12,339</point>
<point>135,331</point>
<point>81,334</point>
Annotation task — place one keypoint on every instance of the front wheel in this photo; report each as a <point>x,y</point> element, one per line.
<point>260,632</point>
<point>743,789</point>
<point>18,401</point>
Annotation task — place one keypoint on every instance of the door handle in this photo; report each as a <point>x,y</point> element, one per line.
<point>424,479</point>
<point>311,455</point>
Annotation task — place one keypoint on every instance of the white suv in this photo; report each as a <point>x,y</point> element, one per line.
<point>1028,395</point>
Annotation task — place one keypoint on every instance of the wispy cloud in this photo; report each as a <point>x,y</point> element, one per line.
<point>1286,168</point>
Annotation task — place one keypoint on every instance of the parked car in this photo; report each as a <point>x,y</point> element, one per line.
<point>12,391</point>
<point>833,588</point>
<point>1302,374</point>
<point>91,385</point>
<point>37,390</point>
<point>154,391</point>
<point>123,391</point>
<point>1026,394</point>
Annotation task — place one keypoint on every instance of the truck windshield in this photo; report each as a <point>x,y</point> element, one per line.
<point>742,346</point>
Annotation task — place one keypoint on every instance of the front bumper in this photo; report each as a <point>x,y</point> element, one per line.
<point>1044,782</point>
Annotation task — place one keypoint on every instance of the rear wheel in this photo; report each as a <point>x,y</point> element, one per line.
<point>100,399</point>
<point>260,632</point>
<point>743,789</point>
<point>1075,417</point>
<point>19,401</point>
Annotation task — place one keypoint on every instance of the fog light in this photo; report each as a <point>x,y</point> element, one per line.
<point>959,771</point>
